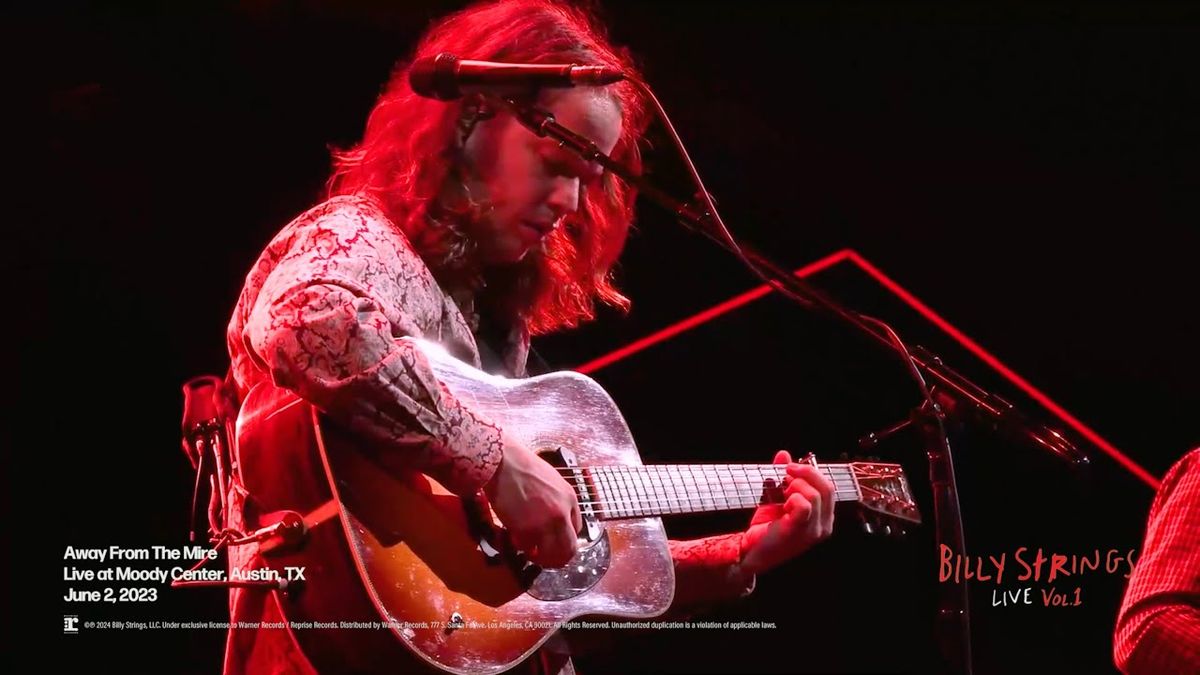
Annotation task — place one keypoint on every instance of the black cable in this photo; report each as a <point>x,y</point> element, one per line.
<point>713,217</point>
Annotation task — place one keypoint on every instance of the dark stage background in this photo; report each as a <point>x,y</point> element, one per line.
<point>1030,173</point>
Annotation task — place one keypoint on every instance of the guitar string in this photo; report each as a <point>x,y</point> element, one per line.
<point>630,489</point>
<point>827,468</point>
<point>626,490</point>
<point>643,488</point>
<point>743,501</point>
<point>618,502</point>
<point>653,471</point>
<point>674,475</point>
<point>756,499</point>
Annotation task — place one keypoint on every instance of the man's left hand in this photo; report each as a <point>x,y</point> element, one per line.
<point>780,532</point>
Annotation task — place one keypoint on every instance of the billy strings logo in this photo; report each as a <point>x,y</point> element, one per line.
<point>1058,574</point>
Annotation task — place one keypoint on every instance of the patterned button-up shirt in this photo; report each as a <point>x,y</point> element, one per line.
<point>320,314</point>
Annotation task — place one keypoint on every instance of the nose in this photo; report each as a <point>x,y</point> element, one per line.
<point>564,196</point>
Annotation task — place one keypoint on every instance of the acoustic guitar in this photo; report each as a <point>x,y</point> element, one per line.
<point>401,574</point>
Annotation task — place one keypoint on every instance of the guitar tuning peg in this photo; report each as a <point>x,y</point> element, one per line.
<point>887,529</point>
<point>865,519</point>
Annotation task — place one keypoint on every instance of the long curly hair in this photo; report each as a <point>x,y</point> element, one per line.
<point>409,155</point>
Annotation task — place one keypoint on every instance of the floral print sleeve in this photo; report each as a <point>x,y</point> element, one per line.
<point>707,573</point>
<point>321,314</point>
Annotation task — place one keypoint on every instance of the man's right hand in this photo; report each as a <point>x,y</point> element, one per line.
<point>537,505</point>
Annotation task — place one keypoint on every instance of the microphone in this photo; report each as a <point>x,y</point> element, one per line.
<point>1001,417</point>
<point>446,77</point>
<point>963,398</point>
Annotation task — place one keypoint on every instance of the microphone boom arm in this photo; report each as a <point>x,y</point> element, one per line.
<point>950,384</point>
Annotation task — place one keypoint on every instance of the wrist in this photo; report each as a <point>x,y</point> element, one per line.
<point>489,486</point>
<point>748,559</point>
<point>742,573</point>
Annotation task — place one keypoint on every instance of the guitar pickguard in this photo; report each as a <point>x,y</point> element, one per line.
<point>583,572</point>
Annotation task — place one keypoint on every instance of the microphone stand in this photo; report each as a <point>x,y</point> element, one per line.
<point>953,618</point>
<point>952,622</point>
<point>950,386</point>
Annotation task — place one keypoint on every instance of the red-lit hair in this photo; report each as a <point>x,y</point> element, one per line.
<point>408,154</point>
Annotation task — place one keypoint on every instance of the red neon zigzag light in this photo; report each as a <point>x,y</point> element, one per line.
<point>972,346</point>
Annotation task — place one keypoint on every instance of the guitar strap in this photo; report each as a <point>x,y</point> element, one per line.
<point>491,343</point>
<point>536,364</point>
<point>492,340</point>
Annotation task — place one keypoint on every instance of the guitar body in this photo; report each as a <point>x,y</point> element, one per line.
<point>435,569</point>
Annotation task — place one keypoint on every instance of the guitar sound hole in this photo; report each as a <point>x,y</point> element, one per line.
<point>562,458</point>
<point>593,558</point>
<point>584,571</point>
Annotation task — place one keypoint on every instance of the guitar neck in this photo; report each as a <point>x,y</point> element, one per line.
<point>665,489</point>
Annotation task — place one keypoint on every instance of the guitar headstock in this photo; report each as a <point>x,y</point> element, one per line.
<point>884,496</point>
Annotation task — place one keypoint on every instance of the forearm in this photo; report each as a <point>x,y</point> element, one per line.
<point>707,573</point>
<point>334,348</point>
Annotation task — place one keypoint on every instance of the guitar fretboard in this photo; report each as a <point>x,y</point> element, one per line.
<point>656,490</point>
